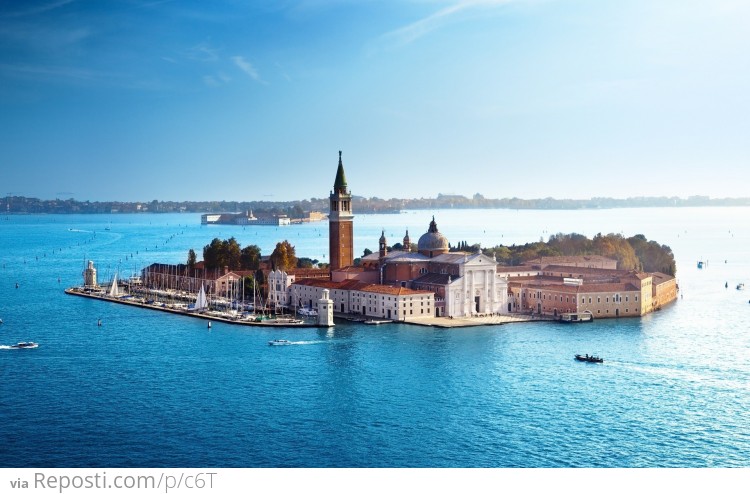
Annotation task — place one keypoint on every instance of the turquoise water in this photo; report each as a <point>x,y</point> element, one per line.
<point>152,389</point>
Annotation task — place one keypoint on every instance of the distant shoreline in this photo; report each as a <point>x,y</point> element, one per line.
<point>299,209</point>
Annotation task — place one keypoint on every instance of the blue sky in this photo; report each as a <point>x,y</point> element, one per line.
<point>231,100</point>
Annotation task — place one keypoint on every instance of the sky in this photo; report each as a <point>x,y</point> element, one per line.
<point>136,100</point>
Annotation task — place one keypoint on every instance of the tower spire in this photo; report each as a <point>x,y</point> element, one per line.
<point>339,185</point>
<point>383,244</point>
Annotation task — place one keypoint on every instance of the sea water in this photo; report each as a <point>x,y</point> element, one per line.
<point>151,389</point>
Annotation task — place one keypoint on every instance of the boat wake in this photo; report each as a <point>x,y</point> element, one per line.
<point>702,377</point>
<point>6,347</point>
<point>288,343</point>
<point>76,230</point>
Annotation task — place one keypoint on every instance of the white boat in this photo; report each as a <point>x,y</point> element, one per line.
<point>201,303</point>
<point>279,342</point>
<point>377,321</point>
<point>113,289</point>
<point>24,344</point>
<point>305,312</point>
<point>284,320</point>
<point>585,316</point>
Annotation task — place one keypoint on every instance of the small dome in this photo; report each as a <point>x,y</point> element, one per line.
<point>432,241</point>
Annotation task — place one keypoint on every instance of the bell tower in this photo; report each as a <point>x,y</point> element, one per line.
<point>340,222</point>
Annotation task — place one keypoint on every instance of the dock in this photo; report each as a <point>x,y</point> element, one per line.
<point>284,321</point>
<point>467,322</point>
<point>455,322</point>
<point>287,321</point>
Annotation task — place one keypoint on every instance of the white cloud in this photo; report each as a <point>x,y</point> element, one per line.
<point>203,52</point>
<point>406,34</point>
<point>247,68</point>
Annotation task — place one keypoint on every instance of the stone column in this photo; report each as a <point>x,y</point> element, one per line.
<point>325,310</point>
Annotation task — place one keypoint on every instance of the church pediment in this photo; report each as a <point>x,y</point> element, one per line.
<point>480,260</point>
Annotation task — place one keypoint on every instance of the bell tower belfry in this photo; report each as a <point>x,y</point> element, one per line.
<point>340,223</point>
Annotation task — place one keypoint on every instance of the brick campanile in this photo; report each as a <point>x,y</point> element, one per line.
<point>340,223</point>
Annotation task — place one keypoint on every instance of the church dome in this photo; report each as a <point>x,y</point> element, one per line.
<point>432,242</point>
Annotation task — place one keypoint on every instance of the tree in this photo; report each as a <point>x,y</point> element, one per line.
<point>191,260</point>
<point>306,262</point>
<point>572,244</point>
<point>283,256</point>
<point>367,252</point>
<point>231,253</point>
<point>652,256</point>
<point>615,246</point>
<point>220,254</point>
<point>212,254</point>
<point>250,257</point>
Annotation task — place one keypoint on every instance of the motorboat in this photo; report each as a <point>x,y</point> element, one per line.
<point>740,286</point>
<point>279,342</point>
<point>25,344</point>
<point>377,321</point>
<point>577,317</point>
<point>284,321</point>
<point>589,358</point>
<point>305,312</point>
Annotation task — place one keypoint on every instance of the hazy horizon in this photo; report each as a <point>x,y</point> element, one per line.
<point>195,101</point>
<point>434,197</point>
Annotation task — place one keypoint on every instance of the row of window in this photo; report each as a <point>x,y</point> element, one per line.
<point>616,298</point>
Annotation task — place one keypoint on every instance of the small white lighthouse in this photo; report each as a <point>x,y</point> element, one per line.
<point>325,310</point>
<point>89,275</point>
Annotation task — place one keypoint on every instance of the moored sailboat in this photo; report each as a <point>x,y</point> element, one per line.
<point>201,303</point>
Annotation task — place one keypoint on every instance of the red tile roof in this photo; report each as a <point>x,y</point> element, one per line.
<point>394,290</point>
<point>360,286</point>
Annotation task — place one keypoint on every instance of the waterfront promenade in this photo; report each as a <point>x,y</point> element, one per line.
<point>465,322</point>
<point>218,316</point>
<point>455,322</point>
<point>286,320</point>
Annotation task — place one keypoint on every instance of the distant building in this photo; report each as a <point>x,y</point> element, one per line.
<point>247,218</point>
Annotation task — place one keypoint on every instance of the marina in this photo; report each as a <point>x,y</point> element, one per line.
<point>235,317</point>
